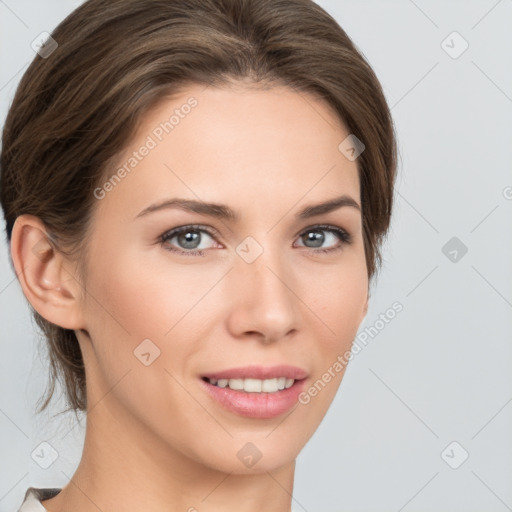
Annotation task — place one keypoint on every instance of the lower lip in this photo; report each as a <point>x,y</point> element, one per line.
<point>256,405</point>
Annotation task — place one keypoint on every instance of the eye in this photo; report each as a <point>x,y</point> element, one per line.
<point>189,238</point>
<point>315,236</point>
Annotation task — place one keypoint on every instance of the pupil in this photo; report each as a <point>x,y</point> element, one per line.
<point>317,237</point>
<point>189,237</point>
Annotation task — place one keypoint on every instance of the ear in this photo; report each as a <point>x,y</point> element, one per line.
<point>45,274</point>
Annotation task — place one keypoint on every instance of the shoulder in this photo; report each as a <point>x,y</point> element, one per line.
<point>34,496</point>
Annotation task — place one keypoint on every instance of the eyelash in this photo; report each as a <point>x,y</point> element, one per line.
<point>343,236</point>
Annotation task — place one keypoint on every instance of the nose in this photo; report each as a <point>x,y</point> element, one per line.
<point>263,303</point>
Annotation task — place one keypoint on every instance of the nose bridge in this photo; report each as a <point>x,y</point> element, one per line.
<point>263,288</point>
<point>268,273</point>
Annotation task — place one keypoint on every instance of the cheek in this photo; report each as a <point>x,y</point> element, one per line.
<point>138,298</point>
<point>129,302</point>
<point>337,294</point>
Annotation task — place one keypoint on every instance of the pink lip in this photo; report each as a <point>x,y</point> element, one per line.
<point>256,405</point>
<point>259,372</point>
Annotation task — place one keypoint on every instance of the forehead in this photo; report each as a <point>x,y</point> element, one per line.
<point>235,144</point>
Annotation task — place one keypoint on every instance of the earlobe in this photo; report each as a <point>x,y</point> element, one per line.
<point>45,275</point>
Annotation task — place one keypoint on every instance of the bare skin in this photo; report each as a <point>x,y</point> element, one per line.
<point>155,441</point>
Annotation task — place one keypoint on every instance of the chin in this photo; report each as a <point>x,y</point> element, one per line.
<point>251,453</point>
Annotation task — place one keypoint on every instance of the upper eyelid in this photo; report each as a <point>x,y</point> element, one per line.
<point>190,227</point>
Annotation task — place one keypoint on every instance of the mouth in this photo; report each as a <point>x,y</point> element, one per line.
<point>255,391</point>
<point>253,385</point>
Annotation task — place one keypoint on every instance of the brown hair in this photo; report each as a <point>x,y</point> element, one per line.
<point>76,108</point>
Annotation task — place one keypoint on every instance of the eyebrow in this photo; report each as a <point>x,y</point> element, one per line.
<point>222,211</point>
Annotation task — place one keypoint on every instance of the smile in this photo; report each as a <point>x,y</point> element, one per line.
<point>254,385</point>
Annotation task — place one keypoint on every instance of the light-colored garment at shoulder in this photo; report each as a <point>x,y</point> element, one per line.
<point>34,496</point>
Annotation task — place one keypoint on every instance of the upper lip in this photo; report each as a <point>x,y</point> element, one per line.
<point>259,372</point>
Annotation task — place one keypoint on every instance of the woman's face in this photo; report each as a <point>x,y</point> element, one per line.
<point>262,288</point>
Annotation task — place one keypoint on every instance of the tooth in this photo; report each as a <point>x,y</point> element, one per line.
<point>222,383</point>
<point>237,384</point>
<point>252,385</point>
<point>269,385</point>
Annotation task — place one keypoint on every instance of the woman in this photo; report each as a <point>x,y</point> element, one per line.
<point>195,195</point>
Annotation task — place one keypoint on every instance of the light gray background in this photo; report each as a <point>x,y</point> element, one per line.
<point>440,370</point>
